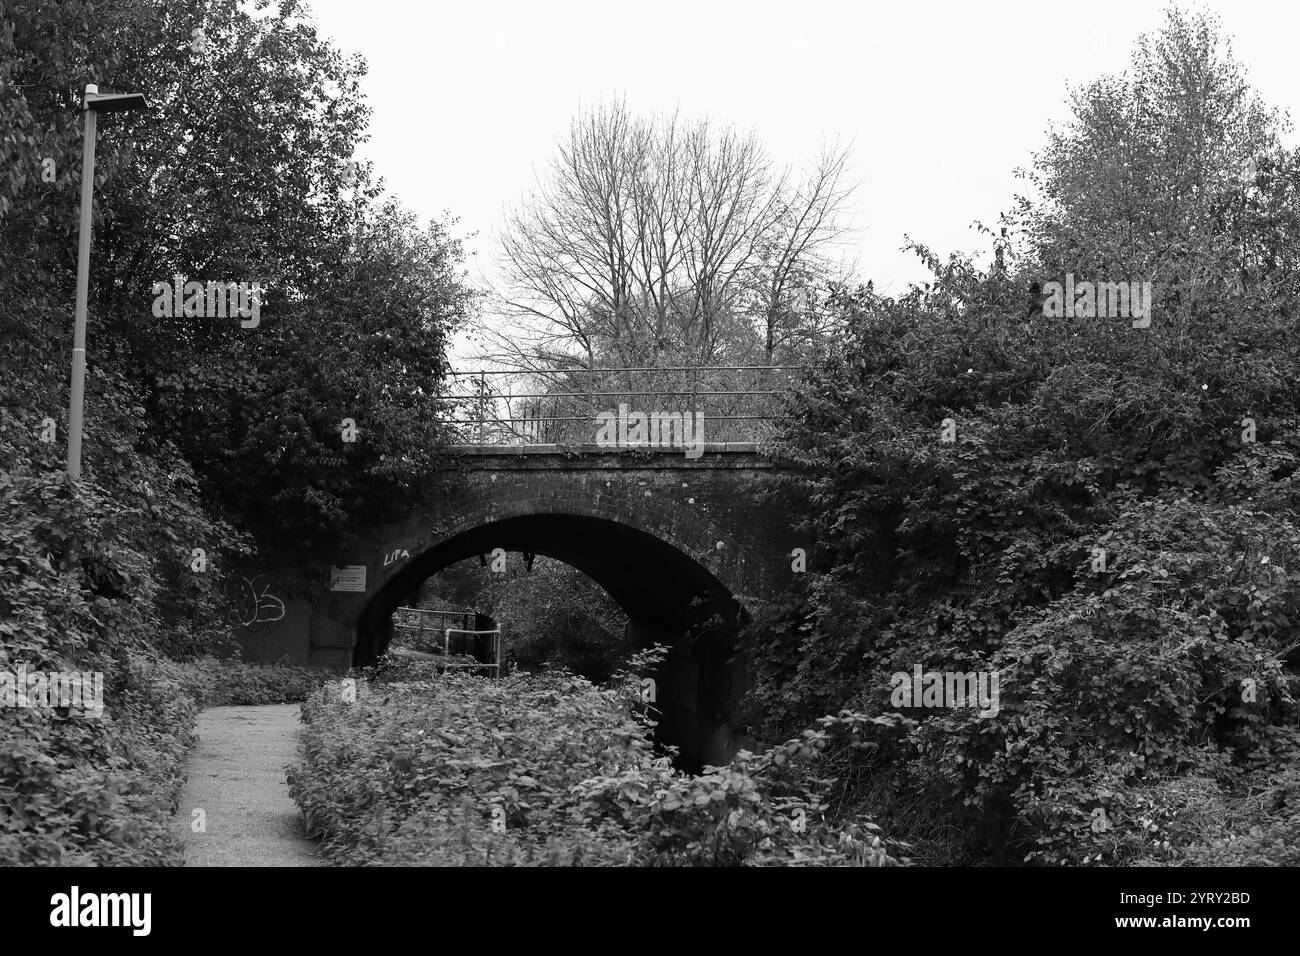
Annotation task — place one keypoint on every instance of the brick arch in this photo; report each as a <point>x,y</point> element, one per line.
<point>651,563</point>
<point>706,557</point>
<point>725,496</point>
<point>730,494</point>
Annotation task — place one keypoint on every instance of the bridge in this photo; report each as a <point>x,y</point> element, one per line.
<point>687,545</point>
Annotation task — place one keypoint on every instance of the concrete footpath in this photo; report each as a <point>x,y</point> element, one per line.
<point>235,775</point>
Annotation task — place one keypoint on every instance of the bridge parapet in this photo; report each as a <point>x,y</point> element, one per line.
<point>714,454</point>
<point>733,403</point>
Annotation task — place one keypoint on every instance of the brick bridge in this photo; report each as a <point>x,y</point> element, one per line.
<point>686,546</point>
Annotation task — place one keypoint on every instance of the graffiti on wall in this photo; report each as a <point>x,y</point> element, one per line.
<point>253,602</point>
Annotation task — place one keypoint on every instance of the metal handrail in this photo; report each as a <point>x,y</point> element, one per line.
<point>433,610</point>
<point>496,649</point>
<point>611,394</point>
<point>648,368</point>
<point>489,409</point>
<point>422,627</point>
<point>584,418</point>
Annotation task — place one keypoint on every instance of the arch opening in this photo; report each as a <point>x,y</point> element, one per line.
<point>668,597</point>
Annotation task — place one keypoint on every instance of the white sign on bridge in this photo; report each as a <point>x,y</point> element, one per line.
<point>348,577</point>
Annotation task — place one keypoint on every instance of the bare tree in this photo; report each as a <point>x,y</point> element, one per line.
<point>794,266</point>
<point>654,240</point>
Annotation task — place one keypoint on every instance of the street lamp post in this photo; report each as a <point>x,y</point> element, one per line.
<point>93,103</point>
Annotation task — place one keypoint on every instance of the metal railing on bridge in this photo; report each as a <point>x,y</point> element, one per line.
<point>550,406</point>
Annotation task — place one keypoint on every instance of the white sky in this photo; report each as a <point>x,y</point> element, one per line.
<point>942,100</point>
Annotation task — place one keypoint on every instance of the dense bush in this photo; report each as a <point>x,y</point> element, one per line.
<point>1104,515</point>
<point>549,770</point>
<point>214,682</point>
<point>77,790</point>
<point>94,578</point>
<point>1099,533</point>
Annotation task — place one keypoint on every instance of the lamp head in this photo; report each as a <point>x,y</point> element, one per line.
<point>112,102</point>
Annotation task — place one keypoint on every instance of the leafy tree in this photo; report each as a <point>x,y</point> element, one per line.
<point>1173,173</point>
<point>234,175</point>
